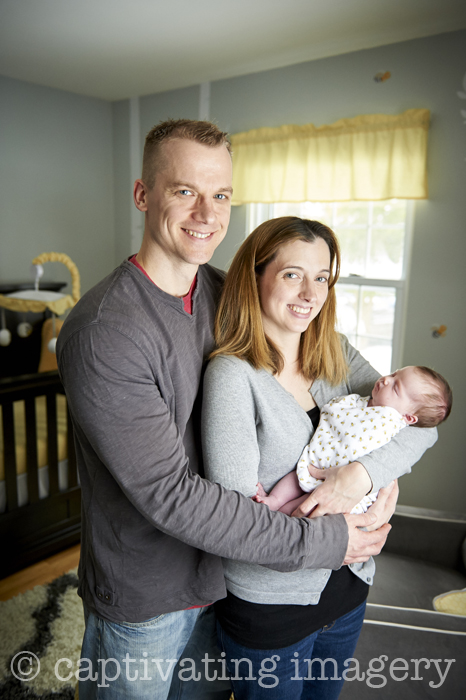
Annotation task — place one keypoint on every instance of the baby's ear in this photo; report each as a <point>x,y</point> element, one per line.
<point>410,419</point>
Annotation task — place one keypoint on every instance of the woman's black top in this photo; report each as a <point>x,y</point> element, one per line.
<point>259,626</point>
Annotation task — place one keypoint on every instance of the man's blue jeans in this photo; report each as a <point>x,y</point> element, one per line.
<point>295,672</point>
<point>159,659</point>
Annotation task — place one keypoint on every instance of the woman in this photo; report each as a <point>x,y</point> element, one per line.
<point>278,359</point>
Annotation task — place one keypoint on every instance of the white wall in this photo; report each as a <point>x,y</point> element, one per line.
<point>57,181</point>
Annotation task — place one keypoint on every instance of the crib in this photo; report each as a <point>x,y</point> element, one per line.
<point>40,497</point>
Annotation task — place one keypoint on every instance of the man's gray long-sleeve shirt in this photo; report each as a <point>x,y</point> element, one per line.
<point>131,361</point>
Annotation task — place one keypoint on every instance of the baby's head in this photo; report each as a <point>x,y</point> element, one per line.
<point>421,395</point>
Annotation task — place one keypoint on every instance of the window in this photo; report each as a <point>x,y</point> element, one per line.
<point>375,243</point>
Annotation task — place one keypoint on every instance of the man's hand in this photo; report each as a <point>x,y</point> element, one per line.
<point>384,507</point>
<point>361,544</point>
<point>361,547</point>
<point>342,488</point>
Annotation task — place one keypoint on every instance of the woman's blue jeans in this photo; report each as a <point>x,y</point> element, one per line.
<point>311,669</point>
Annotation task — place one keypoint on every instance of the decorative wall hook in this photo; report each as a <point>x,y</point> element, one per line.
<point>382,76</point>
<point>438,331</point>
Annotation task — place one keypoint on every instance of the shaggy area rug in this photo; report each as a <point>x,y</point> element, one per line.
<point>37,628</point>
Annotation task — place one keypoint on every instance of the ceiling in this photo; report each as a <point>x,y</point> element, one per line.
<point>117,49</point>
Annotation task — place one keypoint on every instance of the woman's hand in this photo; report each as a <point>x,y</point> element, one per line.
<point>342,488</point>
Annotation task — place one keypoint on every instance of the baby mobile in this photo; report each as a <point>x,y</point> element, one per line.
<point>37,300</point>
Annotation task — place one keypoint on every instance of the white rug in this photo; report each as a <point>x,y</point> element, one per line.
<point>46,624</point>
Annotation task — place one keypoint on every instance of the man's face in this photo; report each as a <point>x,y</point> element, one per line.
<point>188,208</point>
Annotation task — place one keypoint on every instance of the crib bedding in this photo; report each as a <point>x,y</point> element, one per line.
<point>41,426</point>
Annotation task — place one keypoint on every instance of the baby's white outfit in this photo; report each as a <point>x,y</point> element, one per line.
<point>348,429</point>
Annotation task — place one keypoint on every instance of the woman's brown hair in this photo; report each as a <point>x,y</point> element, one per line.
<point>238,325</point>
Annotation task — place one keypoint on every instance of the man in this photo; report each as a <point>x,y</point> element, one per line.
<point>130,355</point>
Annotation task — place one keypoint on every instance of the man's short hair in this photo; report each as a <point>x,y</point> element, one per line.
<point>201,131</point>
<point>436,399</point>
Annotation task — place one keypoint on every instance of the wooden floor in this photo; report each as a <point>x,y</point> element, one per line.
<point>38,574</point>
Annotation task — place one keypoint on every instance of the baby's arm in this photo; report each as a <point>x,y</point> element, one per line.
<point>365,503</point>
<point>283,496</point>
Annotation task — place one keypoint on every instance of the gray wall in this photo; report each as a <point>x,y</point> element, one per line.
<point>122,190</point>
<point>57,182</point>
<point>425,73</point>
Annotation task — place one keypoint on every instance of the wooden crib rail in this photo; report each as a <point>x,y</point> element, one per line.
<point>42,526</point>
<point>26,388</point>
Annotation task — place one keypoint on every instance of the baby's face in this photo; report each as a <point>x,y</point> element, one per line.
<point>400,390</point>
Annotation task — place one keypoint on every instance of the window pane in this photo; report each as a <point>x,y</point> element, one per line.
<point>318,211</point>
<point>351,214</point>
<point>391,212</point>
<point>285,209</point>
<point>386,253</point>
<point>377,352</point>
<point>347,309</point>
<point>366,316</point>
<point>377,312</point>
<point>353,251</point>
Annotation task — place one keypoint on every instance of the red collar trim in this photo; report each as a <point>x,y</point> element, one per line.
<point>187,300</point>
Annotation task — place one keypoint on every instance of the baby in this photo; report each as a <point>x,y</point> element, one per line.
<point>351,426</point>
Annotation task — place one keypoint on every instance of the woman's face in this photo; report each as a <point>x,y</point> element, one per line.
<point>293,288</point>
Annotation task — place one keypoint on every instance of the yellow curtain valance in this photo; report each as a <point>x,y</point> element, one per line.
<point>370,157</point>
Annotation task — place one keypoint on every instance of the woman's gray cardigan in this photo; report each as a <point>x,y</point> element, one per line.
<point>254,430</point>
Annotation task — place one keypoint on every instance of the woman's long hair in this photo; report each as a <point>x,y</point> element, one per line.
<point>238,325</point>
